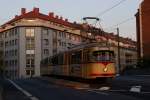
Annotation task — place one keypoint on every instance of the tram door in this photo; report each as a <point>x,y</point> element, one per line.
<point>85,61</point>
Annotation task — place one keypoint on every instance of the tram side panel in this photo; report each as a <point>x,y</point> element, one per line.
<point>75,67</point>
<point>65,67</point>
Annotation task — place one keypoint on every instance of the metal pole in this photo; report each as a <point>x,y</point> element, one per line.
<point>118,39</point>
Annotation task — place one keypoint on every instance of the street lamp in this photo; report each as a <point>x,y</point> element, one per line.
<point>118,40</point>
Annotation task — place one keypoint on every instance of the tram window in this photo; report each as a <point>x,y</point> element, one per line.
<point>103,56</point>
<point>112,56</point>
<point>55,60</point>
<point>86,56</point>
<point>45,61</point>
<point>76,57</point>
<point>60,59</point>
<point>50,60</point>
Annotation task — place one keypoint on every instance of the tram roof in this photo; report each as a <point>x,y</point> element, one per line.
<point>92,44</point>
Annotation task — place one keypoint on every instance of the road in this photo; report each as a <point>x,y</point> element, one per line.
<point>39,89</point>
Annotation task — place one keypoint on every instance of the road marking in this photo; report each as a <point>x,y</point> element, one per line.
<point>105,88</point>
<point>23,91</point>
<point>136,89</point>
<point>98,92</point>
<point>117,74</point>
<point>34,98</point>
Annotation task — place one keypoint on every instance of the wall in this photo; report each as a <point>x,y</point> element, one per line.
<point>145,27</point>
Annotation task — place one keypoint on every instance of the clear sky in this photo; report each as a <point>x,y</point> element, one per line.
<point>75,10</point>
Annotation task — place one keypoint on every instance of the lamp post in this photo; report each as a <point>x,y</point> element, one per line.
<point>118,40</point>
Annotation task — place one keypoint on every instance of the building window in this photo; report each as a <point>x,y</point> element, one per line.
<point>12,32</point>
<point>10,43</point>
<point>30,63</point>
<point>6,63</point>
<point>15,52</point>
<point>30,33</point>
<point>30,58</point>
<point>12,52</point>
<point>73,37</point>
<point>15,63</point>
<point>30,52</point>
<point>6,34</point>
<point>30,43</point>
<point>32,72</point>
<point>46,42</point>
<point>6,44</point>
<point>1,44</point>
<point>45,31</point>
<point>16,32</point>
<point>16,41</point>
<point>13,42</point>
<point>59,34</point>
<point>27,72</point>
<point>64,35</point>
<point>46,51</point>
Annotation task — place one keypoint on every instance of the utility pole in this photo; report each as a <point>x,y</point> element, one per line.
<point>118,39</point>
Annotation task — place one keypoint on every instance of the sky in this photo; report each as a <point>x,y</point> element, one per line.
<point>75,10</point>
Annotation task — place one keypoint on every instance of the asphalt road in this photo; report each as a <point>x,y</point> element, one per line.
<point>39,89</point>
<point>11,93</point>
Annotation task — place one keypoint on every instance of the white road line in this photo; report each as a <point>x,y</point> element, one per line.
<point>98,92</point>
<point>104,88</point>
<point>23,91</point>
<point>136,89</point>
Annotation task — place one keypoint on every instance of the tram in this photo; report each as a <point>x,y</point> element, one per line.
<point>87,61</point>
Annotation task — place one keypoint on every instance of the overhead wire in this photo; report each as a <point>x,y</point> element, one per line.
<point>109,9</point>
<point>120,23</point>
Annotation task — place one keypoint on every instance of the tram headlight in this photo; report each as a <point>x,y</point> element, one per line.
<point>105,69</point>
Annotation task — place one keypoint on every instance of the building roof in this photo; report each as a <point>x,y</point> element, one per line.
<point>60,20</point>
<point>36,14</point>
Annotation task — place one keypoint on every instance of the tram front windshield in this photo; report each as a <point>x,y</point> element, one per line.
<point>103,55</point>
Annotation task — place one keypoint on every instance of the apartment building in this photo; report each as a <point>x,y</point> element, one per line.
<point>143,29</point>
<point>33,36</point>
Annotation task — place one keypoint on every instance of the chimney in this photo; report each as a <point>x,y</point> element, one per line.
<point>16,16</point>
<point>36,10</point>
<point>56,17</point>
<point>51,14</point>
<point>66,20</point>
<point>23,11</point>
<point>74,22</point>
<point>61,18</point>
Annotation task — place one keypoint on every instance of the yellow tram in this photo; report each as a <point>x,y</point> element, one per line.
<point>87,61</point>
